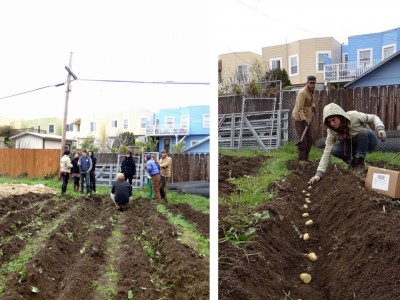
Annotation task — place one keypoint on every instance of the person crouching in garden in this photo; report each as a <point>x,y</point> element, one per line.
<point>121,192</point>
<point>349,137</point>
<point>65,170</point>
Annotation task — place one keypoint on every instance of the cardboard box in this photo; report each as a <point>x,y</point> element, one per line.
<point>383,181</point>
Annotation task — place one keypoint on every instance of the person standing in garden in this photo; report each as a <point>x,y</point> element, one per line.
<point>154,172</point>
<point>75,172</point>
<point>128,167</point>
<point>93,172</point>
<point>65,170</point>
<point>85,166</point>
<point>165,172</point>
<point>302,113</point>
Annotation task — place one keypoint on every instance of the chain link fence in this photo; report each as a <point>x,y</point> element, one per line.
<point>255,121</point>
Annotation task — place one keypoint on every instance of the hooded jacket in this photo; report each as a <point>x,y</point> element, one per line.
<point>128,165</point>
<point>357,121</point>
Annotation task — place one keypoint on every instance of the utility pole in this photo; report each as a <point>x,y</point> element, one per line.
<point>64,129</point>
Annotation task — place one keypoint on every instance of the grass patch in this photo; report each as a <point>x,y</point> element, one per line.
<point>106,285</point>
<point>189,235</point>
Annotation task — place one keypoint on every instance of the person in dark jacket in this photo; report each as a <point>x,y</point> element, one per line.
<point>128,167</point>
<point>85,166</point>
<point>75,172</point>
<point>121,192</point>
<point>93,172</point>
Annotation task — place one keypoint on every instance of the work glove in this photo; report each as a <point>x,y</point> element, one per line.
<point>305,123</point>
<point>314,180</point>
<point>313,110</point>
<point>382,135</point>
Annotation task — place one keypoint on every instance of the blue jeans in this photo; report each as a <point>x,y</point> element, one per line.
<point>365,141</point>
<point>85,177</point>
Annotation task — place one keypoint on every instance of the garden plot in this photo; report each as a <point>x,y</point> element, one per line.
<point>83,248</point>
<point>355,235</point>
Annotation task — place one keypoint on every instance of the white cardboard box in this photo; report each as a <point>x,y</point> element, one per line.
<point>383,181</point>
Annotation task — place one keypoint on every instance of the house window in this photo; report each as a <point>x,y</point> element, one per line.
<point>144,122</point>
<point>345,58</point>
<point>92,126</point>
<point>169,122</point>
<point>242,73</point>
<point>321,59</point>
<point>294,65</point>
<point>157,121</point>
<point>275,63</point>
<point>364,58</point>
<point>206,121</point>
<point>388,50</point>
<point>51,128</point>
<point>69,127</point>
<point>184,122</point>
<point>114,124</point>
<point>125,123</point>
<point>167,144</point>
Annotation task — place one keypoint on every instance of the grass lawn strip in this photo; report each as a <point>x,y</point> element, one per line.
<point>187,232</point>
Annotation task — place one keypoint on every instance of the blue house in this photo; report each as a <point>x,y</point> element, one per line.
<point>362,53</point>
<point>384,73</point>
<point>188,124</point>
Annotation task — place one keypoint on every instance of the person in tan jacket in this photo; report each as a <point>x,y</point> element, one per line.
<point>349,137</point>
<point>302,114</point>
<point>165,165</point>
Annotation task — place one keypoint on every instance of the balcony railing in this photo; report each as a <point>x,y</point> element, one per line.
<point>159,130</point>
<point>345,72</point>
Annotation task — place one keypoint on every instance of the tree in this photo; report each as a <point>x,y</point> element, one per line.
<point>124,140</point>
<point>8,131</point>
<point>150,145</point>
<point>179,147</point>
<point>89,143</point>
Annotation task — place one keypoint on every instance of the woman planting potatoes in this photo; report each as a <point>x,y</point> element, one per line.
<point>349,138</point>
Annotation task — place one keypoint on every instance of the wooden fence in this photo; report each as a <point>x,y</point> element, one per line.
<point>382,101</point>
<point>44,162</point>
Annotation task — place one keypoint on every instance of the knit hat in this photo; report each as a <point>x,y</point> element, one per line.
<point>311,78</point>
<point>148,156</point>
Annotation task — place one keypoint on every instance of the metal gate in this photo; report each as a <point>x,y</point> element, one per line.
<point>260,123</point>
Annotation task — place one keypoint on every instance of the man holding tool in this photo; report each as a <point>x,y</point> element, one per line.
<point>302,114</point>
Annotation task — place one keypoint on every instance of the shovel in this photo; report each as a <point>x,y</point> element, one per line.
<point>305,131</point>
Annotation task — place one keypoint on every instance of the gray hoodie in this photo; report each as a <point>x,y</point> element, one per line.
<point>357,121</point>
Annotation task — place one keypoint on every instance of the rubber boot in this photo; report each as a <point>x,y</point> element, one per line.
<point>360,165</point>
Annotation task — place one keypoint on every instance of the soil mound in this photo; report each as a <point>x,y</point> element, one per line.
<point>355,235</point>
<point>56,247</point>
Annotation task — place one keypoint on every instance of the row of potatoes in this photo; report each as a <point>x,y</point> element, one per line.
<point>305,277</point>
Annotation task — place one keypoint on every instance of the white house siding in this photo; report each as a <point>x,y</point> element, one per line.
<point>32,142</point>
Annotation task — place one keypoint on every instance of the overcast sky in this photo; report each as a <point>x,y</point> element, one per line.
<point>249,25</point>
<point>144,41</point>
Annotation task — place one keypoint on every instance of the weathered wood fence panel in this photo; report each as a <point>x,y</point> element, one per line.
<point>190,167</point>
<point>32,162</point>
<point>41,162</point>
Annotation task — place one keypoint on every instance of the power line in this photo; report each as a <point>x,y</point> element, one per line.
<point>146,82</point>
<point>112,81</point>
<point>34,90</point>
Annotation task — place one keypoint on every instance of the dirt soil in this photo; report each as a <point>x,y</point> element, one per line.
<point>355,235</point>
<point>69,244</point>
